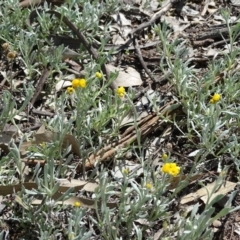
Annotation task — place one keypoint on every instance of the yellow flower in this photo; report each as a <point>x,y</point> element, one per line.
<point>77,204</point>
<point>222,173</point>
<point>171,168</point>
<point>149,186</point>
<point>98,75</point>
<point>82,83</point>
<point>121,91</point>
<point>11,55</point>
<point>166,167</point>
<point>70,90</point>
<point>75,83</point>
<point>164,156</point>
<point>215,98</point>
<point>71,236</point>
<point>126,171</point>
<point>174,171</point>
<point>165,225</point>
<point>79,83</point>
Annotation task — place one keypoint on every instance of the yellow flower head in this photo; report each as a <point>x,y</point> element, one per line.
<point>164,156</point>
<point>71,236</point>
<point>79,83</point>
<point>149,186</point>
<point>166,167</point>
<point>11,55</point>
<point>222,173</point>
<point>121,91</point>
<point>174,171</point>
<point>126,171</point>
<point>70,90</point>
<point>215,98</point>
<point>171,168</point>
<point>165,225</point>
<point>98,75</point>
<point>82,83</point>
<point>77,204</point>
<point>75,83</point>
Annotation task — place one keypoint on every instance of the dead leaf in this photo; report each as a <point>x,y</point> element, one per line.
<point>212,8</point>
<point>126,78</point>
<point>11,129</point>
<point>142,107</point>
<point>87,186</point>
<point>24,148</point>
<point>34,162</point>
<point>177,25</point>
<point>131,166</point>
<point>235,3</point>
<point>211,52</point>
<point>149,7</point>
<point>118,40</point>
<point>85,202</point>
<point>176,180</point>
<point>157,235</point>
<point>90,187</point>
<point>188,11</point>
<point>25,169</point>
<point>46,136</point>
<point>223,190</point>
<point>143,221</point>
<point>2,204</point>
<point>72,183</point>
<point>121,19</point>
<point>203,192</point>
<point>20,202</point>
<point>62,84</point>
<point>22,116</point>
<point>130,118</point>
<point>29,3</point>
<point>64,186</point>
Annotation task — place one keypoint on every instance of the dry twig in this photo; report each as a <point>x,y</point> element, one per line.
<point>145,126</point>
<point>139,55</point>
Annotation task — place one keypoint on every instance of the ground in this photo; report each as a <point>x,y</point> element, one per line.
<point>105,135</point>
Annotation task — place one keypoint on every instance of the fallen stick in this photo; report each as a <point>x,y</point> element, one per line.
<point>145,127</point>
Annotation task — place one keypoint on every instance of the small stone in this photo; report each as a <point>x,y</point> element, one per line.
<point>128,155</point>
<point>217,223</point>
<point>145,101</point>
<point>169,146</point>
<point>237,218</point>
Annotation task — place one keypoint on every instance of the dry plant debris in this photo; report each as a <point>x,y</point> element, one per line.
<point>119,119</point>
